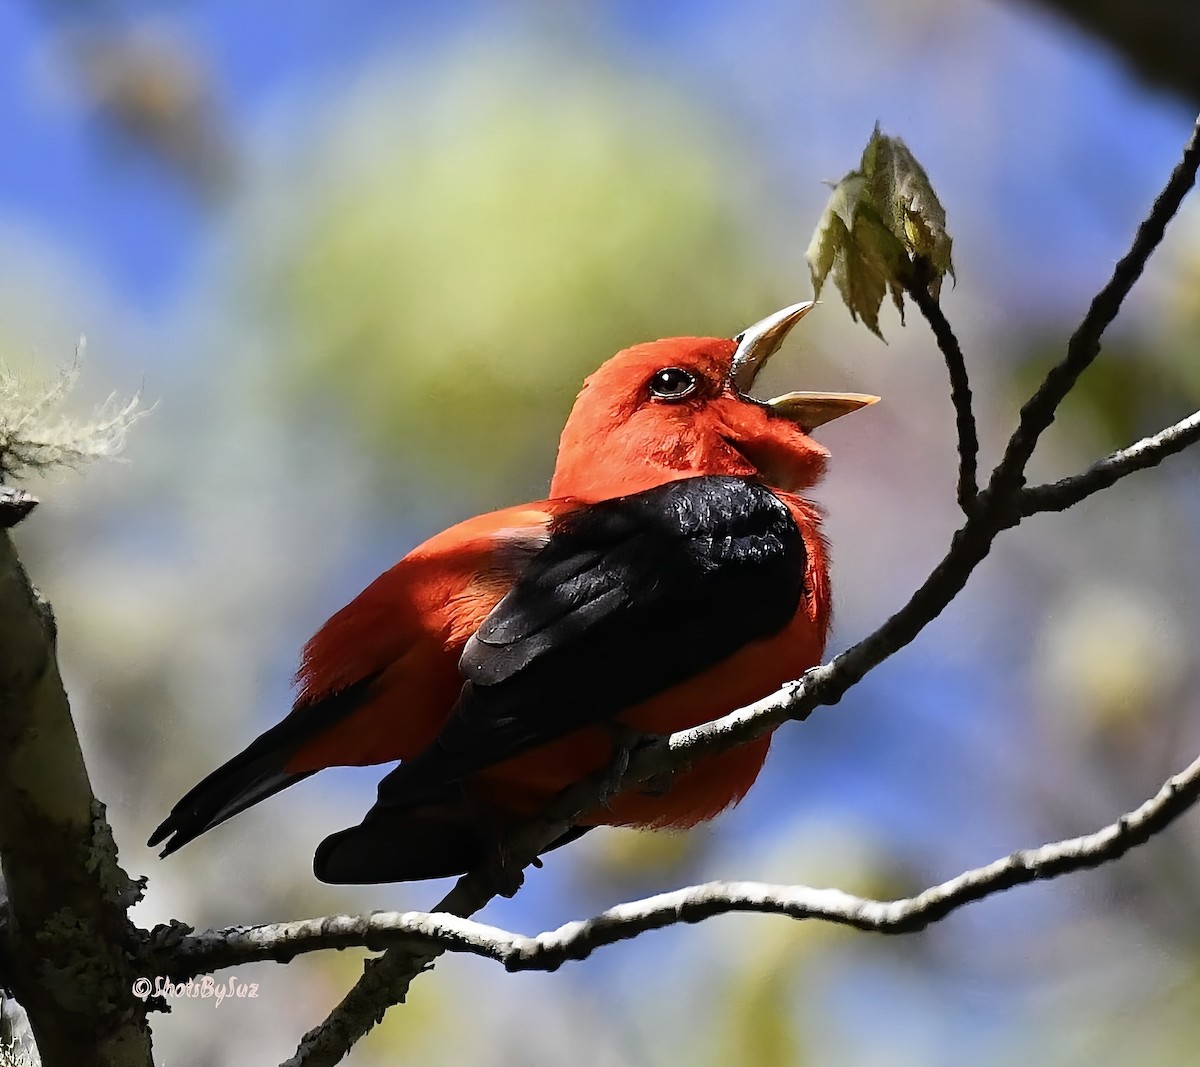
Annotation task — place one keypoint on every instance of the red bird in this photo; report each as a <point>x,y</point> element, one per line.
<point>674,574</point>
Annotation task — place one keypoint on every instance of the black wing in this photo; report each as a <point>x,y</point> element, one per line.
<point>629,597</point>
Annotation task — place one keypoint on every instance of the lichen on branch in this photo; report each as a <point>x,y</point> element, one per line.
<point>35,434</point>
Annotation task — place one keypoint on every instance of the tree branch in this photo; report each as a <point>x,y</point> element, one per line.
<point>1039,412</point>
<point>1000,506</point>
<point>385,981</point>
<point>67,934</point>
<point>281,942</point>
<point>1148,452</point>
<point>960,389</point>
<point>3,936</point>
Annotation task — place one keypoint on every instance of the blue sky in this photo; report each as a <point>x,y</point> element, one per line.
<point>808,80</point>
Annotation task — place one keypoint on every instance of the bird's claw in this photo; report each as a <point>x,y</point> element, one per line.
<point>658,786</point>
<point>626,741</point>
<point>505,876</point>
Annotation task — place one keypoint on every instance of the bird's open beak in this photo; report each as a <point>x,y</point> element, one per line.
<point>759,343</point>
<point>811,410</point>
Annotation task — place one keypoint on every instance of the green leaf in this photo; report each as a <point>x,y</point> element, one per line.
<point>857,272</point>
<point>830,235</point>
<point>883,230</point>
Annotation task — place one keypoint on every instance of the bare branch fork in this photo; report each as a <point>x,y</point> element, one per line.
<point>1002,504</point>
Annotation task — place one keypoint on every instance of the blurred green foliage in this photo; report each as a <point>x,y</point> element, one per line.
<point>467,258</point>
<point>1148,376</point>
<point>1134,390</point>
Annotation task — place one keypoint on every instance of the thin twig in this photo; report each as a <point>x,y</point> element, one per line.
<point>385,982</point>
<point>960,390</point>
<point>1039,412</point>
<point>215,949</point>
<point>1148,452</point>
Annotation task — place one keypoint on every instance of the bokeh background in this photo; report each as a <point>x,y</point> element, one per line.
<point>359,256</point>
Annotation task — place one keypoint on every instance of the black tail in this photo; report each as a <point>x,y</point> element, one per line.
<point>256,773</point>
<point>239,784</point>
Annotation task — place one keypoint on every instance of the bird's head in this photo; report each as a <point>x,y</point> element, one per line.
<point>681,407</point>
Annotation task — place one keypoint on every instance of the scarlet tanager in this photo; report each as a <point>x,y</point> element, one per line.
<point>675,573</point>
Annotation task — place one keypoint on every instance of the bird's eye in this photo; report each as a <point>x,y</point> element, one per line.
<point>672,383</point>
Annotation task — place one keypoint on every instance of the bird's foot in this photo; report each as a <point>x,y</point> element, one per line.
<point>658,786</point>
<point>626,741</point>
<point>503,874</point>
